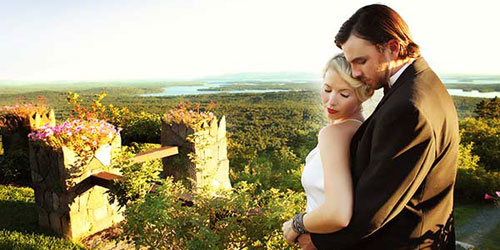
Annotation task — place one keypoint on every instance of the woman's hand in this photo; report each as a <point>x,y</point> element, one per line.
<point>288,232</point>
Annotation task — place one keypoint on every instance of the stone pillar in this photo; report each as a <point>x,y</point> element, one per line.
<point>209,167</point>
<point>15,129</point>
<point>67,202</point>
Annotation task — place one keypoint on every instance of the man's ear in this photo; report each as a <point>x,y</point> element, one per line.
<point>393,46</point>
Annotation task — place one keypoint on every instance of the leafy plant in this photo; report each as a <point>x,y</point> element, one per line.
<point>137,178</point>
<point>472,179</point>
<point>485,133</point>
<point>240,219</point>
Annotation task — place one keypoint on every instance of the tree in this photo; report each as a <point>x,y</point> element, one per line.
<point>488,109</point>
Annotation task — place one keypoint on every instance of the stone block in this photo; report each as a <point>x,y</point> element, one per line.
<point>36,178</point>
<point>101,213</point>
<point>39,196</point>
<point>75,204</point>
<point>99,225</point>
<point>118,217</point>
<point>84,199</point>
<point>47,198</point>
<point>66,226</point>
<point>214,128</point>
<point>222,149</point>
<point>55,222</point>
<point>222,175</point>
<point>97,198</point>
<point>55,202</point>
<point>43,218</point>
<point>222,128</point>
<point>80,224</point>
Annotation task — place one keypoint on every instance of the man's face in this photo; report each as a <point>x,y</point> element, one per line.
<point>370,64</point>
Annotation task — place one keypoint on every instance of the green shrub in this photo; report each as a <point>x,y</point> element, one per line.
<point>473,181</point>
<point>141,127</point>
<point>280,169</point>
<point>242,219</point>
<point>15,168</point>
<point>137,177</point>
<point>485,133</point>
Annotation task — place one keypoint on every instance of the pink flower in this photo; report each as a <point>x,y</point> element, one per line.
<point>498,193</point>
<point>488,197</point>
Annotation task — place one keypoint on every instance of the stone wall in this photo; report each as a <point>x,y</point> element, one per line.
<point>72,206</point>
<point>210,166</point>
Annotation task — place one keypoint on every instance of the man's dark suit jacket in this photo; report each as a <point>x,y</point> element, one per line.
<point>404,164</point>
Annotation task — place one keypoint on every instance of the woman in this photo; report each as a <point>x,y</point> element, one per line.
<point>327,177</point>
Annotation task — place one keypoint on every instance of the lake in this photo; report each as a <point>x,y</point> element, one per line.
<point>194,90</point>
<point>283,78</point>
<point>473,93</point>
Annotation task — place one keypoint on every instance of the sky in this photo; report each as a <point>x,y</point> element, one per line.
<point>56,40</point>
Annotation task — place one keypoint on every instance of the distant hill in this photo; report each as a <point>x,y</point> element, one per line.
<point>265,77</point>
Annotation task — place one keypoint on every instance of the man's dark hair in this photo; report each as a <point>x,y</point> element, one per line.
<point>379,24</point>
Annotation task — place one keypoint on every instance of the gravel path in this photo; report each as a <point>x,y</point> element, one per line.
<point>478,227</point>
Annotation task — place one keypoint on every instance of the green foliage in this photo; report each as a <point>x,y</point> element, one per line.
<point>241,219</point>
<point>485,133</point>
<point>488,109</point>
<point>138,178</point>
<point>15,168</point>
<point>30,241</point>
<point>464,212</point>
<point>473,181</point>
<point>491,241</point>
<point>279,169</point>
<point>141,127</point>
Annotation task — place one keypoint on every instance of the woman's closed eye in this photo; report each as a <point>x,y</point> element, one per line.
<point>344,95</point>
<point>327,90</point>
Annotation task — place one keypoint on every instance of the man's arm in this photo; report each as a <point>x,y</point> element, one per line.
<point>402,153</point>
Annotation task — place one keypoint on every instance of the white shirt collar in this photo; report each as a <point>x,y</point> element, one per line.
<point>395,77</point>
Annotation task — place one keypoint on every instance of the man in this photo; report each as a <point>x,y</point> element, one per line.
<point>404,156</point>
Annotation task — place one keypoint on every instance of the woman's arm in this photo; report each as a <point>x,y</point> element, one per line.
<point>336,212</point>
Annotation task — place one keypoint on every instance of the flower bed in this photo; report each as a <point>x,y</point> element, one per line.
<point>81,136</point>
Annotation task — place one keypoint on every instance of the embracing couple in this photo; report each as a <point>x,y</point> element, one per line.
<point>385,182</point>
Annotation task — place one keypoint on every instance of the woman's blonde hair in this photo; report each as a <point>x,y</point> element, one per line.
<point>340,64</point>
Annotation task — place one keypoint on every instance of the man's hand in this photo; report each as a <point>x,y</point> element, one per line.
<point>305,242</point>
<point>288,232</point>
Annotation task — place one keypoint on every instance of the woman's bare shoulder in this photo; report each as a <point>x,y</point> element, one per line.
<point>344,130</point>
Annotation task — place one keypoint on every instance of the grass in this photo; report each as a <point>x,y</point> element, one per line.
<point>465,212</point>
<point>19,223</point>
<point>492,240</point>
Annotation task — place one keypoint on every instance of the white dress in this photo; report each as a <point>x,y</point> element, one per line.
<point>312,178</point>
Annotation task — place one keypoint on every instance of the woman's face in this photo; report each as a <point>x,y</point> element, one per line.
<point>338,97</point>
